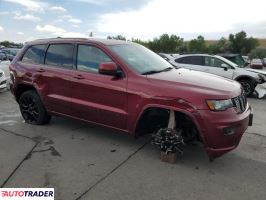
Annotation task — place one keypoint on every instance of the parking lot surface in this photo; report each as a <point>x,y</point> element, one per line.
<point>82,161</point>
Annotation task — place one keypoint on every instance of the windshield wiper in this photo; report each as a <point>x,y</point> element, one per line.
<point>157,71</point>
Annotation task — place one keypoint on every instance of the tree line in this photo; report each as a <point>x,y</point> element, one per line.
<point>237,43</point>
<point>10,44</point>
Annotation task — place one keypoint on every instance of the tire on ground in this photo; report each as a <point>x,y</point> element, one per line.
<point>42,118</point>
<point>248,86</point>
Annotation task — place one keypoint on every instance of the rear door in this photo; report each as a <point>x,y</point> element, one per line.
<point>96,97</point>
<point>48,68</point>
<point>54,77</point>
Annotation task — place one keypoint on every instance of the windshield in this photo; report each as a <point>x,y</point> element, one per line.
<point>140,59</point>
<point>227,61</point>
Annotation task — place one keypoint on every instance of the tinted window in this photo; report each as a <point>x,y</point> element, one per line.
<point>34,54</point>
<point>60,55</point>
<point>193,60</point>
<point>89,58</point>
<point>179,60</point>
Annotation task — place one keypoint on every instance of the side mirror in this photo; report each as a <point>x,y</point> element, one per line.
<point>225,66</point>
<point>108,68</point>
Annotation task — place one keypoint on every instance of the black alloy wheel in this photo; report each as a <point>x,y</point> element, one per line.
<point>32,109</point>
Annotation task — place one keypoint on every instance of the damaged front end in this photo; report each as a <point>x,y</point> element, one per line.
<point>260,89</point>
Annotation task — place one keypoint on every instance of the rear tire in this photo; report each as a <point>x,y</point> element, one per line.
<point>248,86</point>
<point>32,109</point>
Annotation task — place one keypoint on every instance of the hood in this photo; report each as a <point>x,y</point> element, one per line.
<point>256,71</point>
<point>202,85</point>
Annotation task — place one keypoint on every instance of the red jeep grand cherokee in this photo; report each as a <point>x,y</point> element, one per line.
<point>129,88</point>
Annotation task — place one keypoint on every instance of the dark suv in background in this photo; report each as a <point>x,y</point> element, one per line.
<point>125,86</point>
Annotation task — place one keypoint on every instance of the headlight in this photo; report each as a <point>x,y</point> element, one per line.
<point>219,105</point>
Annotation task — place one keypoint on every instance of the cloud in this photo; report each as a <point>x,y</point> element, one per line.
<point>1,29</point>
<point>66,16</point>
<point>58,20</point>
<point>27,17</point>
<point>74,20</point>
<point>58,9</point>
<point>72,34</point>
<point>20,33</point>
<point>31,5</point>
<point>4,13</point>
<point>58,32</point>
<point>94,2</point>
<point>69,18</point>
<point>49,29</point>
<point>171,16</point>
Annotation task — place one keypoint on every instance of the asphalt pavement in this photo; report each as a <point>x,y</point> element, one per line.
<point>82,161</point>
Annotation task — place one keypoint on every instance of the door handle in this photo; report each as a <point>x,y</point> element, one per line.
<point>79,77</point>
<point>41,70</point>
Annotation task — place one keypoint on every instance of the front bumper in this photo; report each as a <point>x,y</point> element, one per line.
<point>222,131</point>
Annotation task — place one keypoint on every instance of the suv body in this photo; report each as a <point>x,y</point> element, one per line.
<point>219,66</point>
<point>124,86</point>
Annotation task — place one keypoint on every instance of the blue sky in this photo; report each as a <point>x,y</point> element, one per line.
<point>24,20</point>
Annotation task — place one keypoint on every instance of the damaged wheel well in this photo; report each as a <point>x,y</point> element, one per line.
<point>154,119</point>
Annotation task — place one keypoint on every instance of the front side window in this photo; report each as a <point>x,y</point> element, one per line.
<point>60,55</point>
<point>34,54</point>
<point>214,62</point>
<point>89,58</point>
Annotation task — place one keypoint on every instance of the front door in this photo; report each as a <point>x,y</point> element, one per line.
<point>95,97</point>
<point>218,67</point>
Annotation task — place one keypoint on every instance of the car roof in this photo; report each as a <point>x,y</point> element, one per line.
<point>196,54</point>
<point>85,40</point>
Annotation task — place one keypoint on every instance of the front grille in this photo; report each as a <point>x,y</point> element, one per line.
<point>3,82</point>
<point>240,103</point>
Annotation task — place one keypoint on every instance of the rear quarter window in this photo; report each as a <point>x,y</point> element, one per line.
<point>34,54</point>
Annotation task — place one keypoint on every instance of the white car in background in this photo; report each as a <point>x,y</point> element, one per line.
<point>3,82</point>
<point>220,66</point>
<point>4,66</point>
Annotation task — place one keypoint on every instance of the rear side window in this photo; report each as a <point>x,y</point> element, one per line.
<point>89,58</point>
<point>179,60</point>
<point>60,55</point>
<point>193,60</point>
<point>34,54</point>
